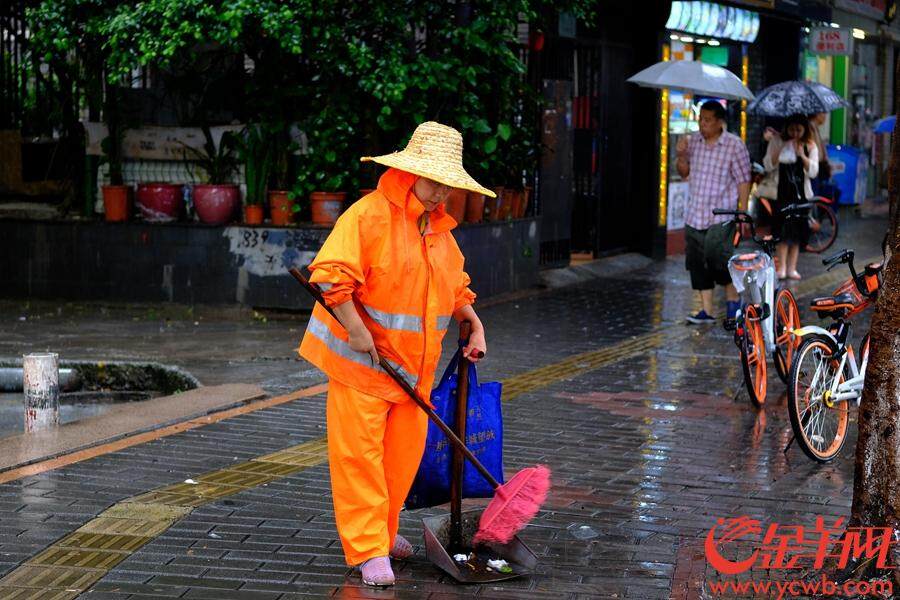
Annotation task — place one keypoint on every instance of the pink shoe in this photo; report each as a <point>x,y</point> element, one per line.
<point>402,548</point>
<point>377,572</point>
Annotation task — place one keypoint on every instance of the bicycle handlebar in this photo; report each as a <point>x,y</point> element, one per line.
<point>734,213</point>
<point>742,216</point>
<point>838,257</point>
<point>846,256</point>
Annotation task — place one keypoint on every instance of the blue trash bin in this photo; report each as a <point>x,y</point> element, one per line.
<point>849,168</point>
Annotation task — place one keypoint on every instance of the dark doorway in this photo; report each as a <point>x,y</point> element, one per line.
<point>601,107</point>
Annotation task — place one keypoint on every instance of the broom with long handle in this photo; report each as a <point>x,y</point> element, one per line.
<point>515,502</point>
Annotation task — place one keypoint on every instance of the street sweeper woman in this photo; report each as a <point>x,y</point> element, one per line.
<point>393,273</point>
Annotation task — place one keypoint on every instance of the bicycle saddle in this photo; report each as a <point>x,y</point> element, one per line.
<point>833,303</point>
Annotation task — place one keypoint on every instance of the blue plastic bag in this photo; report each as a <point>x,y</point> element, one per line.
<point>484,437</point>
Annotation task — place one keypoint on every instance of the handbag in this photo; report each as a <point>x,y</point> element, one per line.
<point>484,437</point>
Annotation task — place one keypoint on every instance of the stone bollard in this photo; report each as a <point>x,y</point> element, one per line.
<point>40,382</point>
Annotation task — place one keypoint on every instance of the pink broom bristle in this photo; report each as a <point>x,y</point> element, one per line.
<point>514,505</point>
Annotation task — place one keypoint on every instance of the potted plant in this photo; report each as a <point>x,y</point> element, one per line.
<point>256,152</point>
<point>115,195</point>
<point>521,152</point>
<point>281,202</point>
<point>327,205</point>
<point>217,200</point>
<point>324,174</point>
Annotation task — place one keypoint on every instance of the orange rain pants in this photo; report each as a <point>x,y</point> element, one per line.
<point>374,449</point>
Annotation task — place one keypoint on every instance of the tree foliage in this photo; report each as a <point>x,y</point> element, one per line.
<point>355,76</point>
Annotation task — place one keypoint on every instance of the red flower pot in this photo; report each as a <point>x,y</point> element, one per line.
<point>116,202</point>
<point>160,202</point>
<point>326,206</point>
<point>216,203</point>
<point>281,207</point>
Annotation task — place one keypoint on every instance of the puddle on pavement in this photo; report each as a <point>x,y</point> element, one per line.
<point>90,389</point>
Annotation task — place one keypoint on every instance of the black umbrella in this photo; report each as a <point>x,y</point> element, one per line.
<point>796,98</point>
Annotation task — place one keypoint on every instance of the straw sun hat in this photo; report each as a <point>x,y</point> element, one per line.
<point>434,151</point>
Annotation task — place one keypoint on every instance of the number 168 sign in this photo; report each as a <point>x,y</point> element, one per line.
<point>829,40</point>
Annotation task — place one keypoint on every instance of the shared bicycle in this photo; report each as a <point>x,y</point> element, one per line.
<point>766,317</point>
<point>826,375</point>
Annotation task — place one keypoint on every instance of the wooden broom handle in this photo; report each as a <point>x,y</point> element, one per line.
<point>458,443</point>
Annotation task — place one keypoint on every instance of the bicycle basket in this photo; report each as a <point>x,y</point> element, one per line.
<point>747,267</point>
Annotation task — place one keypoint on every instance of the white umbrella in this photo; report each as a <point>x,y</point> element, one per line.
<point>694,77</point>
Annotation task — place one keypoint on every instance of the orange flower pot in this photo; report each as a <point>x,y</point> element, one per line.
<point>327,206</point>
<point>526,198</point>
<point>455,205</point>
<point>474,207</point>
<point>116,202</point>
<point>253,214</point>
<point>281,208</point>
<point>492,205</point>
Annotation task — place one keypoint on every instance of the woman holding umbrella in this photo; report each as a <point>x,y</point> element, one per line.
<point>795,156</point>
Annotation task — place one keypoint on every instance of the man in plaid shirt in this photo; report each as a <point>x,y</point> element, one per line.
<point>717,165</point>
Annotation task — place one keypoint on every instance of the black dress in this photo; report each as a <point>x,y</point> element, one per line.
<point>792,229</point>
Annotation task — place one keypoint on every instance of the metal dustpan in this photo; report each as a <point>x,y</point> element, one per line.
<point>445,534</point>
<point>521,559</point>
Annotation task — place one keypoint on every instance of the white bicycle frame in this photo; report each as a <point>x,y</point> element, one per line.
<point>850,389</point>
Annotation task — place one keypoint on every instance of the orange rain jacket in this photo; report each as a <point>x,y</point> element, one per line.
<point>405,286</point>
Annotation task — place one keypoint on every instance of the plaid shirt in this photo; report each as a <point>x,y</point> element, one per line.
<point>716,172</point>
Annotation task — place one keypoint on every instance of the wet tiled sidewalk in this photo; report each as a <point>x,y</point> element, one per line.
<point>650,438</point>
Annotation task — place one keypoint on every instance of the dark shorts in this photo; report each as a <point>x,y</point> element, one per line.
<point>706,255</point>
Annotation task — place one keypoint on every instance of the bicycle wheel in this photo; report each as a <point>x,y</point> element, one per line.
<point>823,227</point>
<point>753,356</point>
<point>819,424</point>
<point>787,319</point>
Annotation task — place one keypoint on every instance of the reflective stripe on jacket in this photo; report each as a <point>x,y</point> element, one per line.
<point>405,285</point>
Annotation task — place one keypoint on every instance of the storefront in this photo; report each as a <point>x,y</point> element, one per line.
<point>714,34</point>
<point>861,70</point>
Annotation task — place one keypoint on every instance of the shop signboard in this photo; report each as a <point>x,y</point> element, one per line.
<point>830,41</point>
<point>714,20</point>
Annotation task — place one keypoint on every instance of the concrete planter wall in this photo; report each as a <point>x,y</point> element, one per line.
<point>187,263</point>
